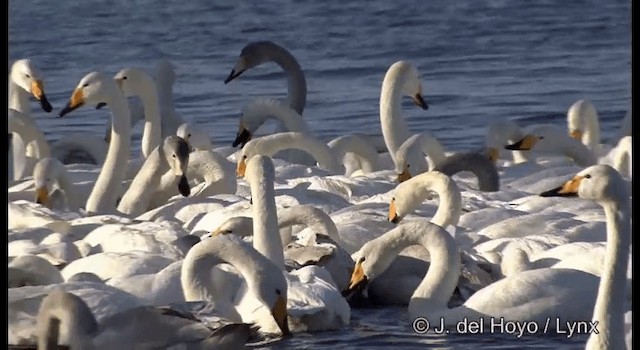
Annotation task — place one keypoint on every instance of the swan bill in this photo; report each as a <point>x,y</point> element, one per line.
<point>279,313</point>
<point>493,154</point>
<point>242,138</point>
<point>358,280</point>
<point>37,90</point>
<point>76,101</point>
<point>393,214</point>
<point>576,134</point>
<point>241,67</point>
<point>233,75</point>
<point>183,186</point>
<point>42,196</point>
<point>404,176</point>
<point>525,144</point>
<point>420,102</point>
<point>568,189</point>
<point>242,167</point>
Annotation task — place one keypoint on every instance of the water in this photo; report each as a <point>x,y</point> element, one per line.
<point>479,61</point>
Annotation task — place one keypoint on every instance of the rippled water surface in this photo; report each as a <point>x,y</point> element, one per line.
<point>479,61</point>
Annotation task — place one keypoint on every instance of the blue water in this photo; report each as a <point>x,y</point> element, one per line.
<point>479,61</point>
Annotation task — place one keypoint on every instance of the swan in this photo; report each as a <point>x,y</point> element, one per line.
<point>312,248</point>
<point>26,131</point>
<point>173,158</point>
<point>402,78</point>
<point>604,185</point>
<point>136,82</point>
<point>50,172</point>
<point>92,89</point>
<point>272,144</point>
<point>199,140</point>
<point>32,270</point>
<point>502,132</point>
<point>622,160</point>
<point>583,124</point>
<point>314,301</point>
<point>265,281</point>
<point>505,298</point>
<point>259,52</point>
<point>64,318</point>
<point>26,80</point>
<point>422,143</point>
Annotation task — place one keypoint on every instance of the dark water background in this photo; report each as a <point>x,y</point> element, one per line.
<point>479,61</point>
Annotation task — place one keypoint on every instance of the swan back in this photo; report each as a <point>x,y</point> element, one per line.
<point>73,317</point>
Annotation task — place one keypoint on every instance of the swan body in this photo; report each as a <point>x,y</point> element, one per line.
<point>361,151</point>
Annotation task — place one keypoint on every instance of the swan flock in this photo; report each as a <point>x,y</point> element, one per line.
<point>279,233</point>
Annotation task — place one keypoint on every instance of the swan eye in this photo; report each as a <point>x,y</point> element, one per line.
<point>173,155</point>
<point>541,138</point>
<point>587,176</point>
<point>27,75</point>
<point>124,78</point>
<point>244,157</point>
<point>188,135</point>
<point>408,165</point>
<point>48,179</point>
<point>278,292</point>
<point>393,199</point>
<point>85,85</point>
<point>361,260</point>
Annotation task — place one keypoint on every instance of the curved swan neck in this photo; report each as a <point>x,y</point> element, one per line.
<point>105,192</point>
<point>195,275</point>
<point>18,98</point>
<point>262,109</point>
<point>623,156</point>
<point>62,313</point>
<point>412,192</point>
<point>609,308</point>
<point>309,216</point>
<point>582,116</point>
<point>266,235</point>
<point>414,147</point>
<point>478,164</point>
<point>151,135</point>
<point>217,172</point>
<point>271,144</point>
<point>441,279</point>
<point>296,82</point>
<point>394,127</point>
<point>364,152</point>
<point>578,152</point>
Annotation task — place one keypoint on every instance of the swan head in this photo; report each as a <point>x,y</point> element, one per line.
<point>239,225</point>
<point>93,89</point>
<point>243,136</point>
<point>412,85</point>
<point>45,173</point>
<point>27,77</point>
<point>252,55</point>
<point>576,134</point>
<point>370,263</point>
<point>197,138</point>
<point>526,143</point>
<point>131,80</point>
<point>600,183</point>
<point>176,151</point>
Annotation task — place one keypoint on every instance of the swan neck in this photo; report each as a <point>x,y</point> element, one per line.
<point>67,188</point>
<point>18,98</point>
<point>105,192</point>
<point>136,199</point>
<point>450,199</point>
<point>296,82</point>
<point>266,235</point>
<point>609,308</point>
<point>394,127</point>
<point>270,145</point>
<point>309,217</point>
<point>579,153</point>
<point>151,135</point>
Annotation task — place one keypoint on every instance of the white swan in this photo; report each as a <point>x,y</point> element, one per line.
<point>504,132</point>
<point>402,78</point>
<point>359,149</point>
<point>272,144</point>
<point>199,140</point>
<point>622,160</point>
<point>51,181</point>
<point>172,158</point>
<point>260,52</point>
<point>25,80</point>
<point>265,281</point>
<point>314,301</point>
<point>603,184</point>
<point>507,298</point>
<point>93,89</point>
<point>583,124</point>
